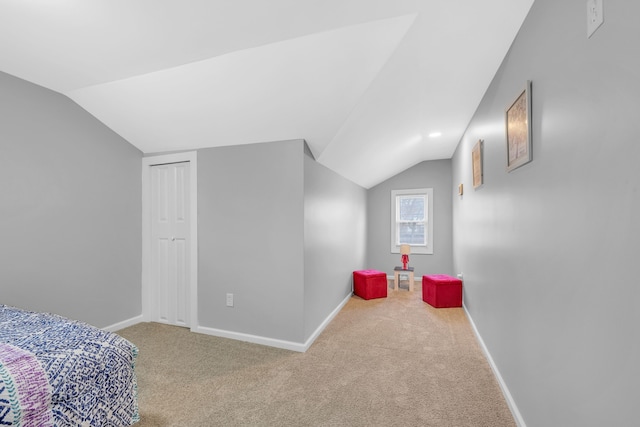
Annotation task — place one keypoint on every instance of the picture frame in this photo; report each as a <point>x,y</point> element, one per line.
<point>476,164</point>
<point>518,130</point>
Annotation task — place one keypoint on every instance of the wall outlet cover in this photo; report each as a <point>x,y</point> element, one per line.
<point>595,15</point>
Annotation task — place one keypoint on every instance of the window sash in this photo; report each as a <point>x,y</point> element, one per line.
<point>412,206</point>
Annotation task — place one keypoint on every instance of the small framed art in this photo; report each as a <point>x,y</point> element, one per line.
<point>476,164</point>
<point>518,130</point>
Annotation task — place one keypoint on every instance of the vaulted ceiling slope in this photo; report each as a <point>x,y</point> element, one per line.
<point>364,82</point>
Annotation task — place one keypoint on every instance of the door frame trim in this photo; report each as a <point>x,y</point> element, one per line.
<point>147,162</point>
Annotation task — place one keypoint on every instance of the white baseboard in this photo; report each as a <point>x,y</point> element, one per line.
<point>125,323</point>
<point>256,339</point>
<point>273,342</point>
<point>326,322</point>
<point>503,386</point>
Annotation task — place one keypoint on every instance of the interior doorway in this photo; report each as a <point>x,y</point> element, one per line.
<point>170,243</point>
<point>169,266</point>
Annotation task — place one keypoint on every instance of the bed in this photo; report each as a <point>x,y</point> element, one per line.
<point>60,372</point>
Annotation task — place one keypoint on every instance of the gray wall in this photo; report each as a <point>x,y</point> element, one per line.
<point>250,237</point>
<point>280,232</point>
<point>434,174</point>
<point>334,240</point>
<point>70,209</point>
<point>548,250</point>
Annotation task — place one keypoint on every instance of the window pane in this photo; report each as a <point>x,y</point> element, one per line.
<point>412,233</point>
<point>411,208</point>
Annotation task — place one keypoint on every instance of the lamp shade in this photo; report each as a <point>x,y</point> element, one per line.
<point>405,249</point>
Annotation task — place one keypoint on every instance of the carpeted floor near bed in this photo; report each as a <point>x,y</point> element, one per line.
<point>393,361</point>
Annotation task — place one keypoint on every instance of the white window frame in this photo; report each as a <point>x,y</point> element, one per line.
<point>428,194</point>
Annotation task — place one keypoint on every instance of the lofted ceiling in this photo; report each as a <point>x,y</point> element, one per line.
<point>364,82</point>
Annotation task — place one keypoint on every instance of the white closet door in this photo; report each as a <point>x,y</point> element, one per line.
<point>170,245</point>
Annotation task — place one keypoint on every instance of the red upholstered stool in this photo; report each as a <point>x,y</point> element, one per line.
<point>368,284</point>
<point>441,291</point>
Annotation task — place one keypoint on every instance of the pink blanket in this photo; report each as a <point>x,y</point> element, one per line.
<point>25,393</point>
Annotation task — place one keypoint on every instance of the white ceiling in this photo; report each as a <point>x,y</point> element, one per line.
<point>364,82</point>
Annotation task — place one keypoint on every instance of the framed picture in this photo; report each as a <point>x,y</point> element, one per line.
<point>476,164</point>
<point>518,130</point>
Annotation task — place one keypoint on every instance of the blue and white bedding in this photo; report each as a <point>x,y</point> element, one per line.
<point>59,372</point>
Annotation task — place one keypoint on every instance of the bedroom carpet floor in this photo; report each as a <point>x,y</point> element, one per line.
<point>392,361</point>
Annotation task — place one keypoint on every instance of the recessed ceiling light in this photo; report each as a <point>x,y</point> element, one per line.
<point>435,134</point>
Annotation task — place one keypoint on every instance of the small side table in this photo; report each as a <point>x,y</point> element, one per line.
<point>396,277</point>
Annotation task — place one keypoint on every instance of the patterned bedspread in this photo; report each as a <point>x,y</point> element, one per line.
<point>59,372</point>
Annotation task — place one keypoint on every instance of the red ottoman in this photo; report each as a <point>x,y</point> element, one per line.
<point>368,284</point>
<point>441,291</point>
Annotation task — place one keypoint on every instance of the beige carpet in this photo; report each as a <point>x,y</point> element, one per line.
<point>393,361</point>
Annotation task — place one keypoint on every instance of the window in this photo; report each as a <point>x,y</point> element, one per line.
<point>412,220</point>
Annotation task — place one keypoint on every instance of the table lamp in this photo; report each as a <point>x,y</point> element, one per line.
<point>405,250</point>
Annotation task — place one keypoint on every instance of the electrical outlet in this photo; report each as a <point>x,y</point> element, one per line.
<point>229,300</point>
<point>595,15</point>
